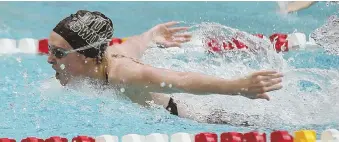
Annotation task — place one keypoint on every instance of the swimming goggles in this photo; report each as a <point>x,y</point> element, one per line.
<point>59,52</point>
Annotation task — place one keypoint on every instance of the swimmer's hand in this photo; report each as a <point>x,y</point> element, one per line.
<point>258,83</point>
<point>168,36</point>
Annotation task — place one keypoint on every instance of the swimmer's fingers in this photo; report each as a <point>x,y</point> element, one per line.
<point>274,87</point>
<point>263,73</point>
<point>180,41</point>
<point>182,38</point>
<point>172,44</point>
<point>170,24</point>
<point>187,36</point>
<point>273,82</point>
<point>263,96</point>
<point>258,96</point>
<point>266,83</point>
<point>178,29</point>
<point>267,78</point>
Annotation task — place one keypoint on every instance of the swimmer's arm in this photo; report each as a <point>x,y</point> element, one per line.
<point>164,34</point>
<point>299,5</point>
<point>168,81</point>
<point>136,45</point>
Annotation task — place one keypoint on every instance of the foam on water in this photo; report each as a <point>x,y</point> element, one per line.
<point>327,35</point>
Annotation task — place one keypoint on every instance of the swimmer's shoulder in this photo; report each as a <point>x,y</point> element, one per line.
<point>121,67</point>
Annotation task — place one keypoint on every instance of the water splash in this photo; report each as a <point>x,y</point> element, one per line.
<point>308,97</point>
<point>327,35</point>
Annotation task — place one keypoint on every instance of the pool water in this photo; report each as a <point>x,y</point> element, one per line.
<point>34,104</point>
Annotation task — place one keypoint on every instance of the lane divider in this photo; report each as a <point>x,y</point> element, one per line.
<point>8,46</point>
<point>206,137</point>
<point>231,137</point>
<point>330,135</point>
<point>34,46</point>
<point>281,136</point>
<point>280,42</point>
<point>182,137</point>
<point>106,138</point>
<point>83,139</point>
<point>133,138</point>
<point>56,139</point>
<point>305,136</point>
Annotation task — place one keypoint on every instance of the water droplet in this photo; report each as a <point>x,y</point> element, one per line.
<point>163,84</point>
<point>170,85</point>
<point>25,75</point>
<point>18,60</point>
<point>62,66</point>
<point>122,90</point>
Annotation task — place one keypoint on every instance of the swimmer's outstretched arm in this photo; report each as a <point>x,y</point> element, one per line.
<point>298,5</point>
<point>163,34</point>
<point>151,79</point>
<point>135,46</point>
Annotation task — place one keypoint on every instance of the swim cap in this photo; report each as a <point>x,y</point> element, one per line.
<point>85,28</point>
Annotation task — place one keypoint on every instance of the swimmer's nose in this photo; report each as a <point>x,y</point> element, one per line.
<point>51,59</point>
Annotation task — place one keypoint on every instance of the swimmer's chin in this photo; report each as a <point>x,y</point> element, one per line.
<point>63,82</point>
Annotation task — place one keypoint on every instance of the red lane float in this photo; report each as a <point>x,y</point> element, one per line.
<point>43,46</point>
<point>32,139</point>
<point>83,139</point>
<point>56,139</point>
<point>231,137</point>
<point>215,46</point>
<point>254,137</point>
<point>281,136</point>
<point>7,140</point>
<point>206,137</point>
<point>281,42</point>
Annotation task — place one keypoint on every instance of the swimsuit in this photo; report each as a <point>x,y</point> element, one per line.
<point>172,107</point>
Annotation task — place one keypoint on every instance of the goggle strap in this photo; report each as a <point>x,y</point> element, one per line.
<point>89,46</point>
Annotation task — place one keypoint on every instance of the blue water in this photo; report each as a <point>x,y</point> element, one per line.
<point>31,109</point>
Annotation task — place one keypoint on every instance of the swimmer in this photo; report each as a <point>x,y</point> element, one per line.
<point>78,48</point>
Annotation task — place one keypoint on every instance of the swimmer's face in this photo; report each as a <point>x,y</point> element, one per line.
<point>68,67</point>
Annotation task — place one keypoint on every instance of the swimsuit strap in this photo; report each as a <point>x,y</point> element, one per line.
<point>122,56</point>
